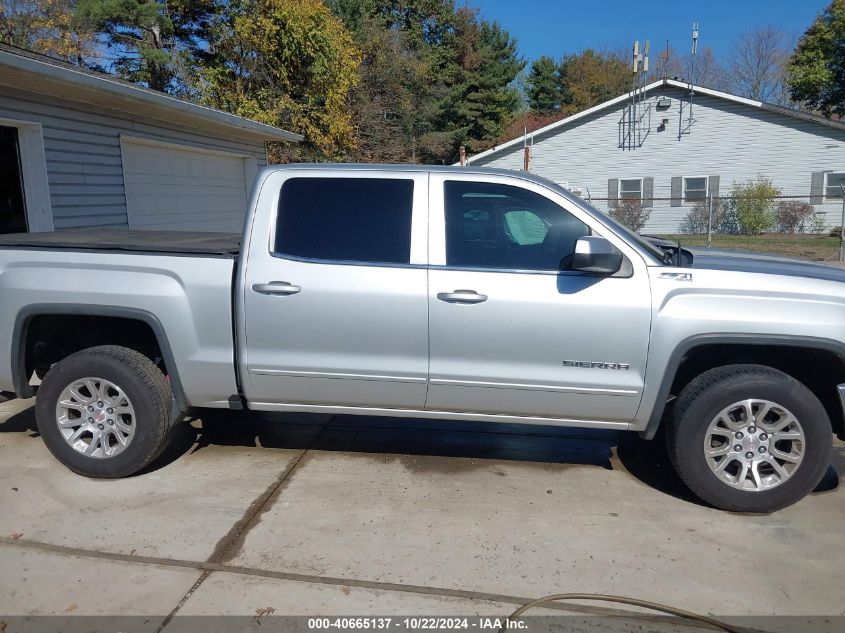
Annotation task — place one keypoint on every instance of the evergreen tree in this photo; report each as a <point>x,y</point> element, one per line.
<point>153,42</point>
<point>817,67</point>
<point>543,86</point>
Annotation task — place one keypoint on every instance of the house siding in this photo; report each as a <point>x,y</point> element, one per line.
<point>731,140</point>
<point>82,151</point>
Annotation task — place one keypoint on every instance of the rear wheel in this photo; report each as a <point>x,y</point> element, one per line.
<point>104,411</point>
<point>749,438</point>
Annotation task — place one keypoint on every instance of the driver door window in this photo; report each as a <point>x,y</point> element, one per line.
<point>507,228</point>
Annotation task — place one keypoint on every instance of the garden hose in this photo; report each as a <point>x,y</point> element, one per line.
<point>600,597</point>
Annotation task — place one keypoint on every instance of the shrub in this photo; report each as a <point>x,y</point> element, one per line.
<point>755,205</point>
<point>632,214</point>
<point>817,223</point>
<point>695,222</point>
<point>728,218</point>
<point>793,215</point>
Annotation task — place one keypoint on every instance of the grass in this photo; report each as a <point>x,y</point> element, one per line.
<point>812,247</point>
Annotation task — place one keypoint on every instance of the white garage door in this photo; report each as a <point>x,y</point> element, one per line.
<point>179,188</point>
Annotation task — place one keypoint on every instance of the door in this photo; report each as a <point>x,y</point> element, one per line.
<point>514,330</point>
<point>12,208</point>
<point>335,306</point>
<point>179,188</point>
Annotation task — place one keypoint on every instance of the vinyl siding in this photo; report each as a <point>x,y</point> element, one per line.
<point>82,150</point>
<point>731,140</point>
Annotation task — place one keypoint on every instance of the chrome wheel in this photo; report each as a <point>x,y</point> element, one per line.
<point>95,417</point>
<point>754,445</point>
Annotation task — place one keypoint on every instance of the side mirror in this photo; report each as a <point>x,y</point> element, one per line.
<point>596,255</point>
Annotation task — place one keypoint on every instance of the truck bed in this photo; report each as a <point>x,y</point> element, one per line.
<point>171,242</point>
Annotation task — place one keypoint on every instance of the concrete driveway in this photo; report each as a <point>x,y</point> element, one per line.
<point>318,515</point>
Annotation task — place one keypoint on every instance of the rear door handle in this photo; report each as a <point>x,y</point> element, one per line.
<point>462,296</point>
<point>276,288</point>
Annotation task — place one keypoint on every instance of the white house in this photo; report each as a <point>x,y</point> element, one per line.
<point>79,148</point>
<point>679,144</point>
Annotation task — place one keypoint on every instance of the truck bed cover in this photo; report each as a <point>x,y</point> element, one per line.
<point>176,242</point>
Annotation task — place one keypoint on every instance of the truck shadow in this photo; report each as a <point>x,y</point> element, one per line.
<point>624,452</point>
<point>542,445</point>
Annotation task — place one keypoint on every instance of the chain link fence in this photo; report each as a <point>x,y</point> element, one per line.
<point>797,226</point>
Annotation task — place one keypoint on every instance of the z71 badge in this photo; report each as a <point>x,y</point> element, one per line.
<point>590,364</point>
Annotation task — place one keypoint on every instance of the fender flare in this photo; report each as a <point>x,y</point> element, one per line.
<point>21,329</point>
<point>701,340</point>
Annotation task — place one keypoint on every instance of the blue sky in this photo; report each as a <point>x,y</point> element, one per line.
<point>555,27</point>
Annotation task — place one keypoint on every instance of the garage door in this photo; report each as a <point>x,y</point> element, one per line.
<point>174,187</point>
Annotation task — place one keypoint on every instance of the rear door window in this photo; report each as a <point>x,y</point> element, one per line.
<point>365,220</point>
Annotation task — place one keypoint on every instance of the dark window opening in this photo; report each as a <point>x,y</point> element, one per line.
<point>12,209</point>
<point>346,219</point>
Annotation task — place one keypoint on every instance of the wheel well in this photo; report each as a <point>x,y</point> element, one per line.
<point>48,338</point>
<point>820,370</point>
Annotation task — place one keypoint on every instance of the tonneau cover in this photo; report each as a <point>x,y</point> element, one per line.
<point>181,242</point>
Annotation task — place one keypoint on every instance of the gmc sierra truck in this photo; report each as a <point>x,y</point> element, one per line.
<point>453,293</point>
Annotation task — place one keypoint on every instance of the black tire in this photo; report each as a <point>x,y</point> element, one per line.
<point>714,390</point>
<point>144,385</point>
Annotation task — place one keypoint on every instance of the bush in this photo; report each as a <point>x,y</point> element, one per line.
<point>632,214</point>
<point>793,215</point>
<point>755,205</point>
<point>728,218</point>
<point>695,223</point>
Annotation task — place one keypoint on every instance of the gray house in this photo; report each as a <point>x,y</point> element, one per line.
<point>671,150</point>
<point>83,149</point>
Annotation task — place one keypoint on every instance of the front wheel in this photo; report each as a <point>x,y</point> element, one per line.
<point>104,411</point>
<point>749,438</point>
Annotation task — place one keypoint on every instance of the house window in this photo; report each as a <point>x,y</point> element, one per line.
<point>833,183</point>
<point>631,189</point>
<point>695,189</point>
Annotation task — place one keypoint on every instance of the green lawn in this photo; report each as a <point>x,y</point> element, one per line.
<point>813,247</point>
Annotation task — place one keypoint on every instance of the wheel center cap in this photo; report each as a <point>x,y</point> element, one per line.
<point>100,416</point>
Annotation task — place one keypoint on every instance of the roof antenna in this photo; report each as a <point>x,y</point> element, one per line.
<point>692,67</point>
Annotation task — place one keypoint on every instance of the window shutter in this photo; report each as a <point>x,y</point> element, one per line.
<point>612,193</point>
<point>648,192</point>
<point>677,194</point>
<point>817,187</point>
<point>713,186</point>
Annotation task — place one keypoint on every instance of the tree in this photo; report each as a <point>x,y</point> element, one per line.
<point>542,86</point>
<point>706,72</point>
<point>155,43</point>
<point>46,26</point>
<point>758,65</point>
<point>289,63</point>
<point>817,67</point>
<point>591,78</point>
<point>479,96</point>
<point>433,77</point>
<point>389,100</point>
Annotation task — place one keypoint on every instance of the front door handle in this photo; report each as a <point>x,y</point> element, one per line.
<point>462,296</point>
<point>276,288</point>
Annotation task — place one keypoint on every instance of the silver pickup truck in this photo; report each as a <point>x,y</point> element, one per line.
<point>454,293</point>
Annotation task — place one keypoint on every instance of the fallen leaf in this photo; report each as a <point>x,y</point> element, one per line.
<point>71,608</point>
<point>15,535</point>
<point>265,611</point>
<point>346,590</point>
